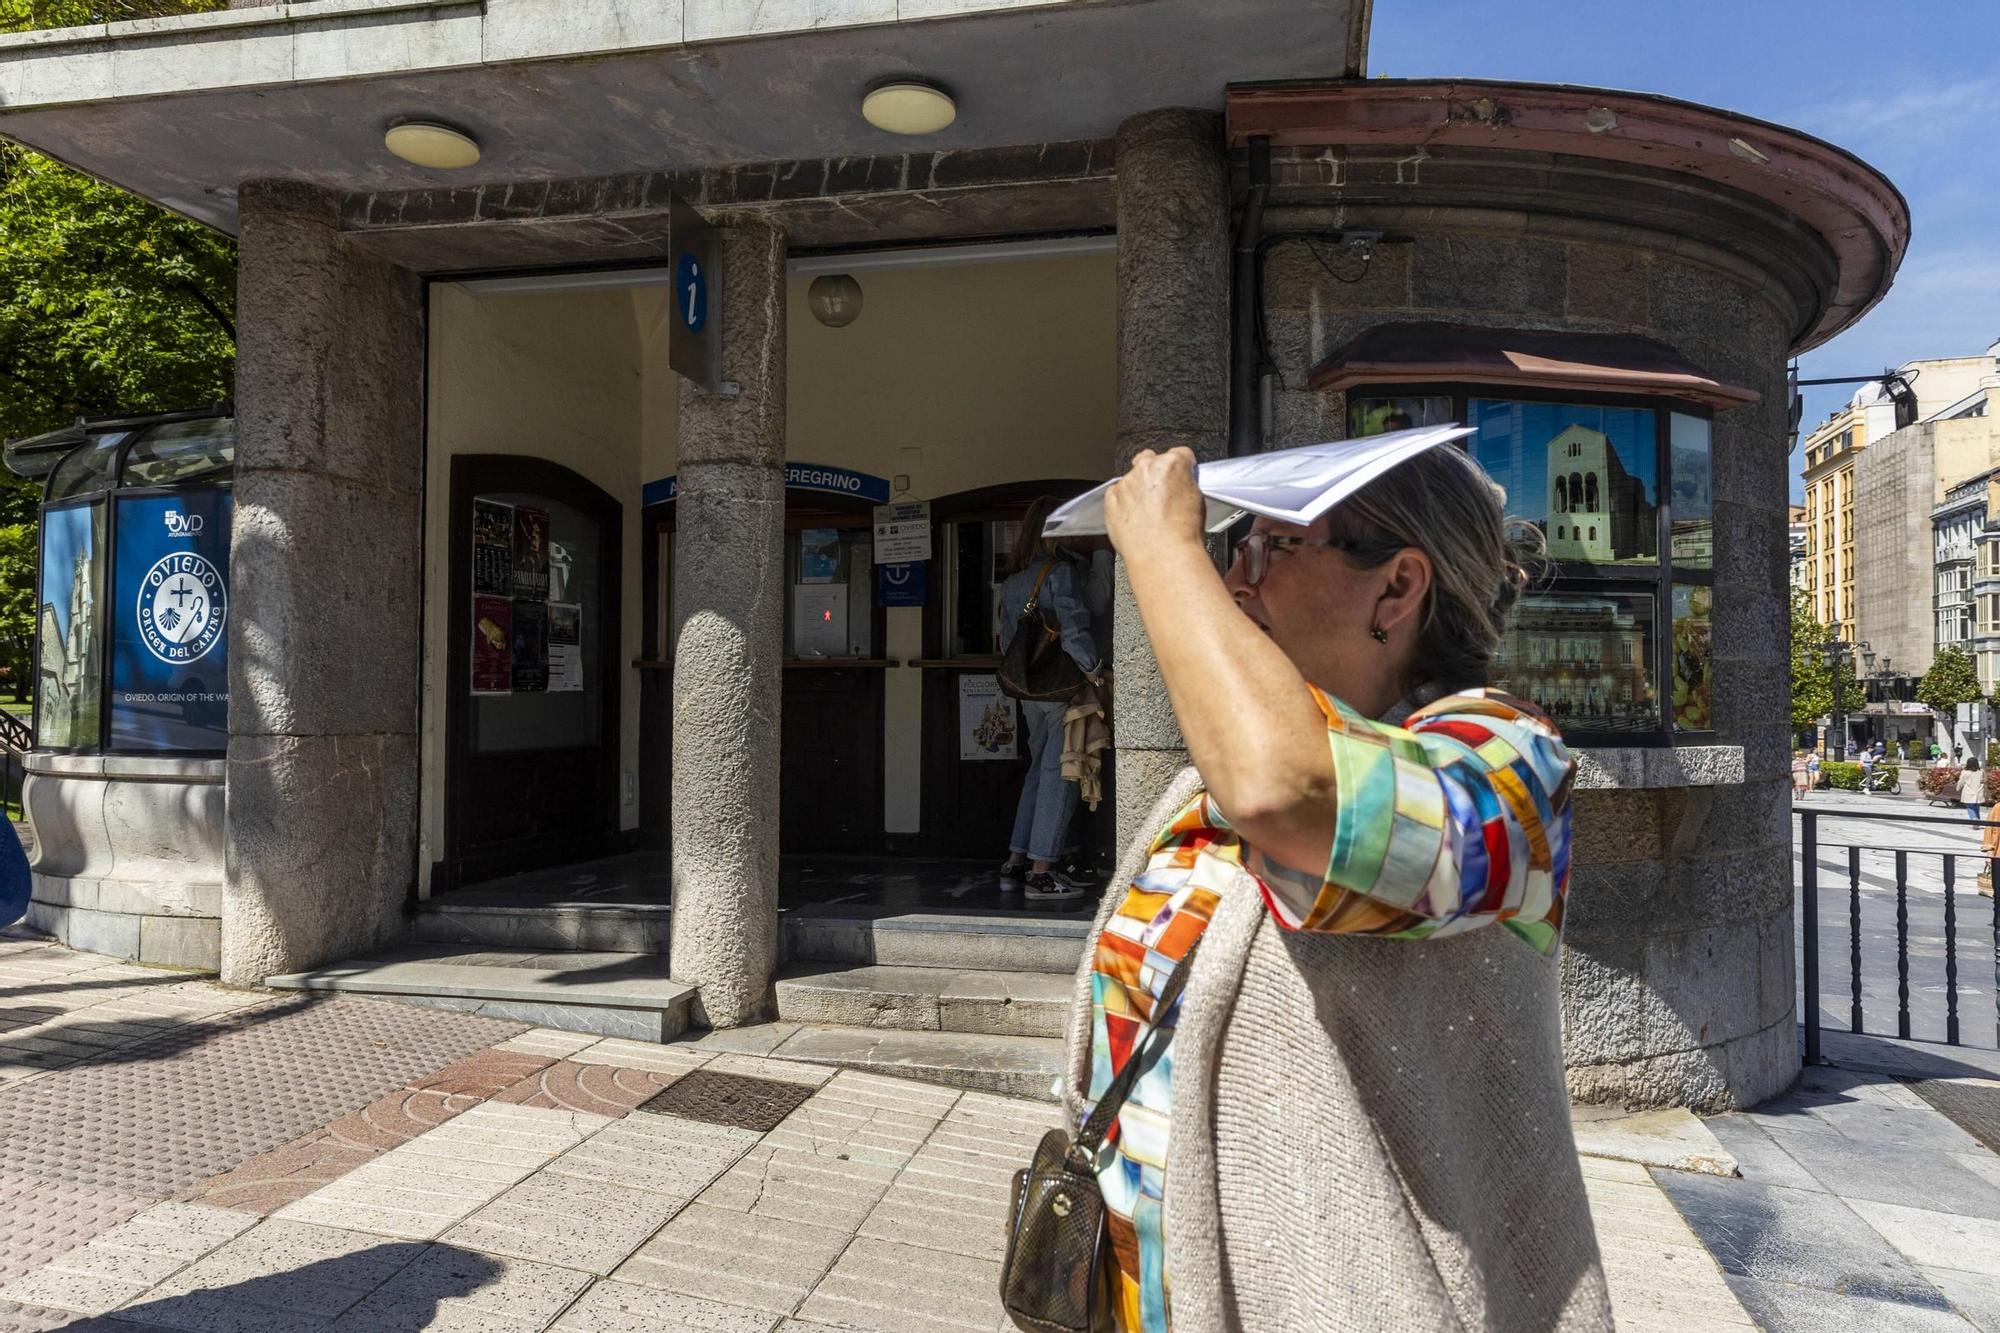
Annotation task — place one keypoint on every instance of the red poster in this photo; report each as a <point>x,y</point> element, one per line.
<point>492,645</point>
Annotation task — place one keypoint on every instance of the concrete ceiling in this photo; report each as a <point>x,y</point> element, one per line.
<point>1021,76</point>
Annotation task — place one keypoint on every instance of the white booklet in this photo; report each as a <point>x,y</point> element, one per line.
<point>1290,485</point>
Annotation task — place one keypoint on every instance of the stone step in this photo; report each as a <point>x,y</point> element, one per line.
<point>982,1062</point>
<point>926,999</point>
<point>610,994</point>
<point>586,927</point>
<point>1013,942</point>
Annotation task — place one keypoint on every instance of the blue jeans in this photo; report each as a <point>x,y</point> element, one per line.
<point>1041,820</point>
<point>1971,809</point>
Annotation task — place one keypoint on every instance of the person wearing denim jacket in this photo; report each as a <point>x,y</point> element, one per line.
<point>1040,849</point>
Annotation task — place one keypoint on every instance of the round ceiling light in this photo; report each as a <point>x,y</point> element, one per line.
<point>834,299</point>
<point>426,143</point>
<point>909,108</point>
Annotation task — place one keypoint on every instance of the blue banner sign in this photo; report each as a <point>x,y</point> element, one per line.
<point>170,618</point>
<point>901,585</point>
<point>798,477</point>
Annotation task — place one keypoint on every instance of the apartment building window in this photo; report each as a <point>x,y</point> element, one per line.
<point>1615,641</point>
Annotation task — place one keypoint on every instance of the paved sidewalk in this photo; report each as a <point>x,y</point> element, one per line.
<point>180,1155</point>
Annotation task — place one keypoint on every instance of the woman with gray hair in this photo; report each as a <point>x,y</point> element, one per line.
<point>1354,1116</point>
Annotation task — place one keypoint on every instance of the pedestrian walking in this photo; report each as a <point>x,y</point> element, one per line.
<point>1867,771</point>
<point>1972,787</point>
<point>1812,769</point>
<point>1801,774</point>
<point>1356,1116</point>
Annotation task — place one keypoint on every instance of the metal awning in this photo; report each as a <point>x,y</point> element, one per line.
<point>1435,353</point>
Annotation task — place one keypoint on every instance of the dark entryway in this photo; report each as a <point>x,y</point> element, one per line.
<point>533,684</point>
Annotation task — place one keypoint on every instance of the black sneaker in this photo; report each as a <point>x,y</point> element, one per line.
<point>1044,887</point>
<point>1011,875</point>
<point>1075,875</point>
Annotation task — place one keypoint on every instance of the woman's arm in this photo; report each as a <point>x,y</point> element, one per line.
<point>1246,713</point>
<point>1059,595</point>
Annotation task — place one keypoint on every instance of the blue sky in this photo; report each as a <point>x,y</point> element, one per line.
<point>1911,86</point>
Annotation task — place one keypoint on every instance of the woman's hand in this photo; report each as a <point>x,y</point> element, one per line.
<point>1154,501</point>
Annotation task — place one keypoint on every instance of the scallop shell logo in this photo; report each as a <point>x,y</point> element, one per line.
<point>183,607</point>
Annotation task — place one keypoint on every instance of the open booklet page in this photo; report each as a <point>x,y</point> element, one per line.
<point>1290,485</point>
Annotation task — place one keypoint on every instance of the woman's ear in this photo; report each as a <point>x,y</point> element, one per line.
<point>1407,583</point>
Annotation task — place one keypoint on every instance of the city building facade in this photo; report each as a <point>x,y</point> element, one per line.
<point>517,587</point>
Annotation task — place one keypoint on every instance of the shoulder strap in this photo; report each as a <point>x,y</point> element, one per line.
<point>1094,1129</point>
<point>1035,596</point>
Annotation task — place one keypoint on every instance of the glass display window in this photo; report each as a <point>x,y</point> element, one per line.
<point>1622,493</point>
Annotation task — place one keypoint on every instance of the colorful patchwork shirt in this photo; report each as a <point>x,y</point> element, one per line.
<point>1458,819</point>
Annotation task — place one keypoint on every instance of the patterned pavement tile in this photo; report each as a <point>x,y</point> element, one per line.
<point>162,1114</point>
<point>764,1263</point>
<point>620,1307</point>
<point>18,1318</point>
<point>439,1178</point>
<point>128,1259</point>
<point>40,1219</point>
<point>672,1061</point>
<point>601,1089</point>
<point>553,1043</point>
<point>455,1289</point>
<point>277,1277</point>
<point>878,1285</point>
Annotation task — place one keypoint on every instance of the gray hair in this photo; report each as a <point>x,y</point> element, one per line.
<point>1443,503</point>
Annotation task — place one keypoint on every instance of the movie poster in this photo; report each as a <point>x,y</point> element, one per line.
<point>492,645</point>
<point>531,553</point>
<point>565,647</point>
<point>531,646</point>
<point>492,548</point>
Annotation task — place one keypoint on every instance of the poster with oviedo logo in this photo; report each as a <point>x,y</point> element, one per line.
<point>170,619</point>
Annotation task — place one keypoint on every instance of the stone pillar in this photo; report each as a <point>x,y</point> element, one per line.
<point>321,823</point>
<point>727,646</point>
<point>1173,382</point>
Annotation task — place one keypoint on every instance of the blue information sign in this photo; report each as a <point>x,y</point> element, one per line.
<point>691,293</point>
<point>798,477</point>
<point>901,585</point>
<point>170,619</point>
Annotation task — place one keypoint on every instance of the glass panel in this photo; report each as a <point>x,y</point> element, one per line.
<point>87,468</point>
<point>1585,659</point>
<point>1587,476</point>
<point>69,677</point>
<point>1693,658</point>
<point>538,604</point>
<point>169,618</point>
<point>830,612</point>
<point>978,554</point>
<point>182,451</point>
<point>1693,507</point>
<point>1373,416</point>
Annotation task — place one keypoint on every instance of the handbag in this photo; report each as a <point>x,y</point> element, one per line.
<point>1052,1279</point>
<point>1035,667</point>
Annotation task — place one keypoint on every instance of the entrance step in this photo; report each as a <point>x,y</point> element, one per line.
<point>609,994</point>
<point>982,1062</point>
<point>998,942</point>
<point>927,999</point>
<point>556,925</point>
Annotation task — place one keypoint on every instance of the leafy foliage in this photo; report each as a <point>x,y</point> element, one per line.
<point>108,306</point>
<point>1812,680</point>
<point>1952,680</point>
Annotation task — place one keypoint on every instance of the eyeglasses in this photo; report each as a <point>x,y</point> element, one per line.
<point>1254,551</point>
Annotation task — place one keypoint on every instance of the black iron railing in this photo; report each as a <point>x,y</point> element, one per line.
<point>16,739</point>
<point>1863,862</point>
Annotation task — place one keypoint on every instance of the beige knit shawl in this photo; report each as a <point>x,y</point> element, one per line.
<point>1367,1134</point>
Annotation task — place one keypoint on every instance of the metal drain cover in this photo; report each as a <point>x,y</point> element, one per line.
<point>735,1100</point>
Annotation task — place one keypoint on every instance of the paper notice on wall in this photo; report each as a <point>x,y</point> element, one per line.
<point>989,726</point>
<point>492,548</point>
<point>492,645</point>
<point>902,532</point>
<point>565,647</point>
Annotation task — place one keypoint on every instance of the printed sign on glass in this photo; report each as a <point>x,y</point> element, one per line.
<point>170,610</point>
<point>492,645</point>
<point>565,647</point>
<point>531,553</point>
<point>531,646</point>
<point>492,548</point>
<point>902,532</point>
<point>989,727</point>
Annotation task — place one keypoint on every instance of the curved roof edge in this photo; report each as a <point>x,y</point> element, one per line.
<point>1855,210</point>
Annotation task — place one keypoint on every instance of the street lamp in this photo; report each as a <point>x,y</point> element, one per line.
<point>1837,651</point>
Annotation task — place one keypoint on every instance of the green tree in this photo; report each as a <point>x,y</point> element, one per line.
<point>108,306</point>
<point>1812,679</point>
<point>1951,681</point>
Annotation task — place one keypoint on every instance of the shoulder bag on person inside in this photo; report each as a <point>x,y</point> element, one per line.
<point>1035,667</point>
<point>1051,1280</point>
